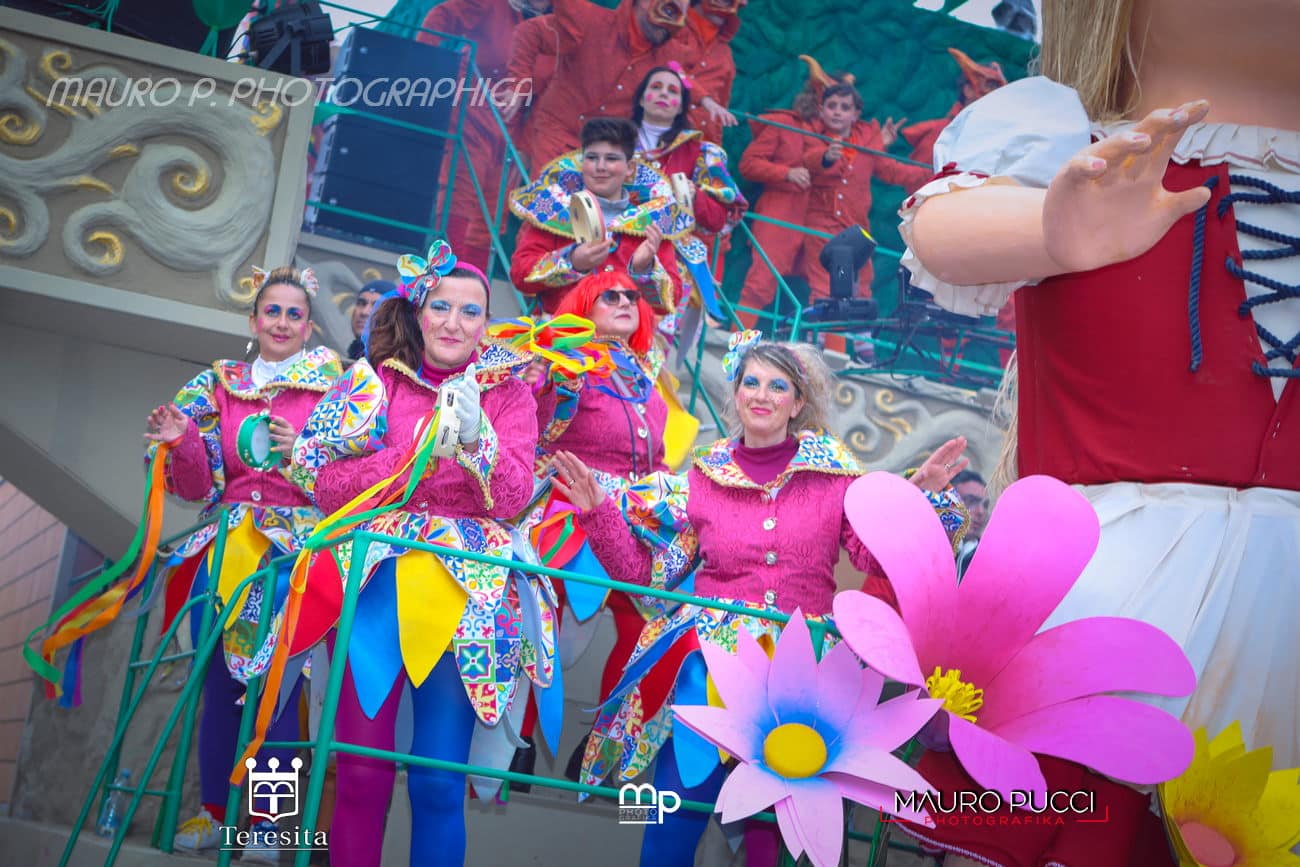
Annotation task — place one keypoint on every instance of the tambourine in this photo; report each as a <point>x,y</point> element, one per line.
<point>681,189</point>
<point>588,220</point>
<point>254,443</point>
<point>447,433</point>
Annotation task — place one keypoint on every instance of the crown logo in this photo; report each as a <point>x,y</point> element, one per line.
<point>272,794</point>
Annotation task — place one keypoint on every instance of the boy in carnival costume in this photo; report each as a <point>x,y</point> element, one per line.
<point>640,216</point>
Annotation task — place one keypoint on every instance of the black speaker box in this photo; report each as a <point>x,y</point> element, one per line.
<point>381,170</point>
<point>410,81</point>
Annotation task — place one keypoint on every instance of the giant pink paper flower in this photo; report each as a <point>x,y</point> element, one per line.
<point>807,734</point>
<point>1009,690</point>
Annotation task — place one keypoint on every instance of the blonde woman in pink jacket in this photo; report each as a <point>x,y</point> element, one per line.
<point>758,520</point>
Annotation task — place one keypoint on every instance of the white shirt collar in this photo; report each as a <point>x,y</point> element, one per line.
<point>264,371</point>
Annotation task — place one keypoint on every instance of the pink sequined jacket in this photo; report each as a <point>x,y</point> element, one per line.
<point>205,465</point>
<point>493,481</point>
<point>775,544</point>
<point>621,438</point>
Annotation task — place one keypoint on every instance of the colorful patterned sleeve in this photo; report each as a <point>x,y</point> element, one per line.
<point>555,269</point>
<point>661,284</point>
<point>195,467</point>
<point>561,407</point>
<point>644,536</point>
<point>722,203</point>
<point>349,422</point>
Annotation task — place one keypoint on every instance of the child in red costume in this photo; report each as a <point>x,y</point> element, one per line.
<point>840,194</point>
<point>641,221</point>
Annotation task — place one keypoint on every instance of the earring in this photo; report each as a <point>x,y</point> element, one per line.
<point>248,350</point>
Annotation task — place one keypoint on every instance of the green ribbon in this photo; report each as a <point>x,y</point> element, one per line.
<point>93,588</point>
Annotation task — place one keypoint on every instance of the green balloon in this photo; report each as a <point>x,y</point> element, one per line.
<point>221,14</point>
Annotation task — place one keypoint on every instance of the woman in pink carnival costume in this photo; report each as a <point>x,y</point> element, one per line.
<point>759,518</point>
<point>615,423</point>
<point>455,629</point>
<point>1149,203</point>
<point>269,516</point>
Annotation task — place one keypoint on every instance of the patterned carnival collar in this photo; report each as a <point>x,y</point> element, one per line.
<point>496,363</point>
<point>315,371</point>
<point>818,452</point>
<point>682,138</point>
<point>544,203</point>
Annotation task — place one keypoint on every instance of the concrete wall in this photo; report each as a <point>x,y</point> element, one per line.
<point>31,541</point>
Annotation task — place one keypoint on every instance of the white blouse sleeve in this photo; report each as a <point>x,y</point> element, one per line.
<point>1025,131</point>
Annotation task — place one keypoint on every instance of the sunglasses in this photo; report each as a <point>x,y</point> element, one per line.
<point>612,296</point>
<point>971,501</point>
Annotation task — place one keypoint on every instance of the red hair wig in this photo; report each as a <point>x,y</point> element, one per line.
<point>582,297</point>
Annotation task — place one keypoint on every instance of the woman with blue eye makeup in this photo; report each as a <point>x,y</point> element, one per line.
<point>757,521</point>
<point>230,428</point>
<point>455,632</point>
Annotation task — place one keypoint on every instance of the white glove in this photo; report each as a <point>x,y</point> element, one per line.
<point>466,404</point>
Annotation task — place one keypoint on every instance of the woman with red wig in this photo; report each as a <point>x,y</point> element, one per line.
<point>616,423</point>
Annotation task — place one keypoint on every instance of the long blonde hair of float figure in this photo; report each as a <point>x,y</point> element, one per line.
<point>1087,45</point>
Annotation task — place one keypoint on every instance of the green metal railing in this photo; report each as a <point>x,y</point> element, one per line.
<point>325,742</point>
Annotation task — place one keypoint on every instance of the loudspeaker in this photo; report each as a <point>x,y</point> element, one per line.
<point>397,78</point>
<point>387,172</point>
<point>371,166</point>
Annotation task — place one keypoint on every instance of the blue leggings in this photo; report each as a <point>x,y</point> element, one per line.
<point>220,714</point>
<point>444,725</point>
<point>673,843</point>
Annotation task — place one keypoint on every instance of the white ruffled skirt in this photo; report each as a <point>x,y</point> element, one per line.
<point>1219,571</point>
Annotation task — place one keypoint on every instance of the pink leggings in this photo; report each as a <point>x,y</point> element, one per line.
<point>444,725</point>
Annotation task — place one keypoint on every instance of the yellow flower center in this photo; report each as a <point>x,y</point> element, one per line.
<point>794,751</point>
<point>959,697</point>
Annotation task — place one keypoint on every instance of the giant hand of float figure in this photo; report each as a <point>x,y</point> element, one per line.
<point>1107,204</point>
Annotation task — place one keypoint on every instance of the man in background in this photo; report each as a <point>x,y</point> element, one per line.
<point>974,495</point>
<point>367,298</point>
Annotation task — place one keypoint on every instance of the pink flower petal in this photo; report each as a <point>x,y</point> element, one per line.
<point>792,679</point>
<point>995,762</point>
<point>752,655</point>
<point>1082,658</point>
<point>897,721</point>
<point>876,766</point>
<point>882,798</point>
<point>1038,539</point>
<point>899,527</point>
<point>724,728</point>
<point>740,688</point>
<point>878,635</point>
<point>839,685</point>
<point>788,824</point>
<point>816,812</point>
<point>747,790</point>
<point>1118,737</point>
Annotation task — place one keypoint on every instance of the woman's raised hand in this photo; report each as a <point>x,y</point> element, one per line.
<point>575,481</point>
<point>946,462</point>
<point>166,424</point>
<point>283,435</point>
<point>1109,204</point>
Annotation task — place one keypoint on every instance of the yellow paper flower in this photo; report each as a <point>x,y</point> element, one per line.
<point>1228,810</point>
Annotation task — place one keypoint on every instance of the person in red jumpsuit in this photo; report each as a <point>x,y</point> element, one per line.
<point>601,56</point>
<point>714,23</point>
<point>490,24</point>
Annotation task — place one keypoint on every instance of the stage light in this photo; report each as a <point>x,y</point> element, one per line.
<point>292,39</point>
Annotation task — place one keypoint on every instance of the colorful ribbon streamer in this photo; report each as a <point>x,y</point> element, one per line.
<point>566,341</point>
<point>98,603</point>
<point>384,496</point>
